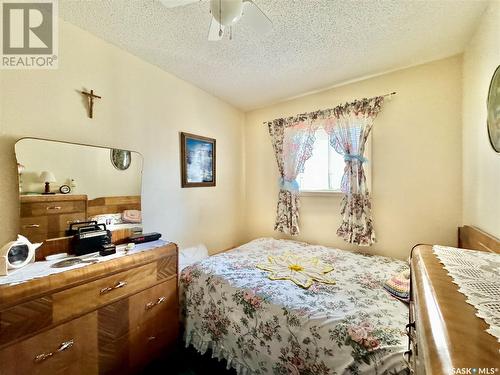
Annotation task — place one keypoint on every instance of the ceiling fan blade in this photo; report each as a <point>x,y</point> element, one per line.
<point>176,3</point>
<point>255,17</point>
<point>214,32</point>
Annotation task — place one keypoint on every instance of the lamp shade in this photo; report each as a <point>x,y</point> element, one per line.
<point>47,176</point>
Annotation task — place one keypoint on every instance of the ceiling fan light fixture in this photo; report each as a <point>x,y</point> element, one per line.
<point>226,12</point>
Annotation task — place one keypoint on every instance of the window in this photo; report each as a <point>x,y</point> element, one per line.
<point>323,171</point>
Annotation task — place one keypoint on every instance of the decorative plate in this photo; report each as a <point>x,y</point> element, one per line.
<point>493,106</point>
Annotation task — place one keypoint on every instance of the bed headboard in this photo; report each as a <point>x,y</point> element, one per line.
<point>113,205</point>
<point>470,237</point>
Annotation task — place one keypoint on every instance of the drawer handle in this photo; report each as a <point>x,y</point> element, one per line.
<point>64,346</point>
<point>118,285</point>
<point>160,300</point>
<point>409,329</point>
<point>407,361</point>
<point>32,226</point>
<point>151,338</point>
<point>54,208</point>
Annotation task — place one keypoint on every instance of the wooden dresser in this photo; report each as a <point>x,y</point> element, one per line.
<point>48,216</point>
<point>445,334</point>
<point>104,318</point>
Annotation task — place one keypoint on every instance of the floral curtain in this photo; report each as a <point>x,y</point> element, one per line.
<point>293,141</point>
<point>348,127</point>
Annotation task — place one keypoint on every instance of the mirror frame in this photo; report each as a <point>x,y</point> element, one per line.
<point>141,170</point>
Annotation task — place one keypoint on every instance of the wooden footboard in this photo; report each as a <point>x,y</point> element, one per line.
<point>473,238</point>
<point>444,332</point>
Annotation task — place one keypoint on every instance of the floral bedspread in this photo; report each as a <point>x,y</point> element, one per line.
<point>263,326</point>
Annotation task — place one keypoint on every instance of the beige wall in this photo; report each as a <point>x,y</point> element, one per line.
<point>481,164</point>
<point>142,108</point>
<point>416,164</point>
<point>417,145</point>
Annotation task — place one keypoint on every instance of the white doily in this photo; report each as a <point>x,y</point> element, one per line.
<point>43,268</point>
<point>477,274</point>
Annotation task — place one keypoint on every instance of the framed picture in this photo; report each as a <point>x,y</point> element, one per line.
<point>197,161</point>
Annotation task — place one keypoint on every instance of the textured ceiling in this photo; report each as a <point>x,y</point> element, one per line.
<point>314,44</point>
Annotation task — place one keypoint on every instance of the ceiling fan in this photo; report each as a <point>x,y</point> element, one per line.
<point>226,13</point>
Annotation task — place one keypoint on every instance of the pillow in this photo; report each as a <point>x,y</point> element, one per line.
<point>192,255</point>
<point>399,286</point>
<point>132,216</point>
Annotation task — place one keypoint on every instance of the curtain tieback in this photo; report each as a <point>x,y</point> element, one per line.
<point>289,185</point>
<point>352,157</point>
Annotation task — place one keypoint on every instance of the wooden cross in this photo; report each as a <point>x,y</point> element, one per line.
<point>91,96</point>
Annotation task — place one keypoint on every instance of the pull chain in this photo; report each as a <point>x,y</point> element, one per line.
<point>220,18</point>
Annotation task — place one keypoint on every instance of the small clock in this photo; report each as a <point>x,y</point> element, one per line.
<point>65,189</point>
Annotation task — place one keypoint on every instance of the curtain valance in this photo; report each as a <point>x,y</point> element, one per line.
<point>361,107</point>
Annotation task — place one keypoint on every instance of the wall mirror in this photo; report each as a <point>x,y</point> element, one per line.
<point>63,183</point>
<point>493,106</point>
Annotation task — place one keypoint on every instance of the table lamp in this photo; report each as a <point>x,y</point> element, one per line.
<point>47,177</point>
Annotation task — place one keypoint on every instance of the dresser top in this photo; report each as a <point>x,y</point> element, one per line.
<point>52,198</point>
<point>69,277</point>
<point>450,334</point>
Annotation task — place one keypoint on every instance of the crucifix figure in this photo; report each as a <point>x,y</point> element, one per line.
<point>91,96</point>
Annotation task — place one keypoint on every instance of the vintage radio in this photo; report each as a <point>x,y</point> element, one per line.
<point>89,238</point>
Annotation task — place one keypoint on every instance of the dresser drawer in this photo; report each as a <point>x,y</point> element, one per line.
<point>154,322</point>
<point>97,293</point>
<point>25,319</point>
<point>70,348</point>
<point>65,220</point>
<point>153,305</point>
<point>52,208</point>
<point>39,228</point>
<point>153,340</point>
<point>35,228</point>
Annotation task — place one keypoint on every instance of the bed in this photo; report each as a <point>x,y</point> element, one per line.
<point>263,326</point>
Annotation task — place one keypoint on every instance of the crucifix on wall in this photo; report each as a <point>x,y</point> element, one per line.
<point>91,96</point>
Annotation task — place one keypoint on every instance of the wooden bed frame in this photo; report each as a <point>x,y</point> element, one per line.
<point>473,238</point>
<point>444,331</point>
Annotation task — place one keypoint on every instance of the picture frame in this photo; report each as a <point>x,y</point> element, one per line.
<point>198,160</point>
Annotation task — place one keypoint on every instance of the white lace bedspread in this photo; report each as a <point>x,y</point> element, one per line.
<point>477,274</point>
